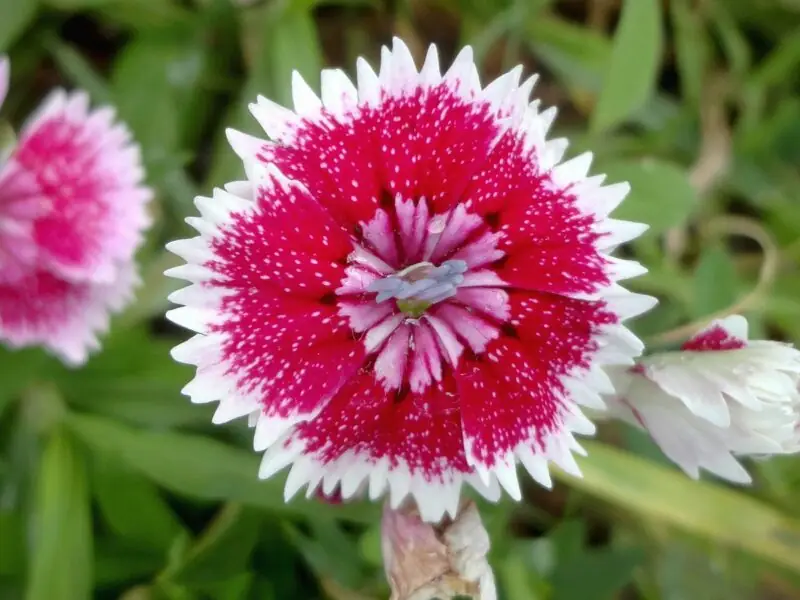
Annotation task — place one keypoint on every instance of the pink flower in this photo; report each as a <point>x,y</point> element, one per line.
<point>409,292</point>
<point>720,397</point>
<point>72,213</point>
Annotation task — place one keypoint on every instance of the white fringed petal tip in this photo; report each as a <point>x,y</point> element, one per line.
<point>720,397</point>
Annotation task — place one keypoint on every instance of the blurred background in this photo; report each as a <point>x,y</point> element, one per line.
<point>113,486</point>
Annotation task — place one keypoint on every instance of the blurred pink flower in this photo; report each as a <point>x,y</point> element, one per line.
<point>73,210</point>
<point>720,397</point>
<point>411,290</point>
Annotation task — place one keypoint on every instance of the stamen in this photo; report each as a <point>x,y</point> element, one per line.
<point>419,286</point>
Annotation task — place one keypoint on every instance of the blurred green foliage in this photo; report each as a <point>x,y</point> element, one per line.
<point>113,486</point>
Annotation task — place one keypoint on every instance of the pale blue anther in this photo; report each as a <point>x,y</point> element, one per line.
<point>421,282</point>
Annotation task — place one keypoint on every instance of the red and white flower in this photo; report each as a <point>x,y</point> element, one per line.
<point>720,397</point>
<point>73,211</point>
<point>410,291</point>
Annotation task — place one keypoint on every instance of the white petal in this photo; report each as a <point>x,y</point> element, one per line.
<point>189,272</point>
<point>625,304</point>
<point>300,474</point>
<point>207,387</point>
<point>233,408</point>
<point>601,201</point>
<point>552,152</point>
<point>339,95</point>
<point>306,102</point>
<point>620,269</point>
<point>278,457</point>
<point>691,387</point>
<point>507,477</point>
<point>460,76</point>
<point>245,146</point>
<point>278,122</point>
<point>536,465</point>
<point>572,171</point>
<point>430,75</point>
<point>191,250</point>
<point>196,349</point>
<point>402,77</point>
<point>499,90</point>
<point>379,479</point>
<point>270,429</point>
<point>189,317</point>
<point>617,232</point>
<point>241,189</point>
<point>735,325</point>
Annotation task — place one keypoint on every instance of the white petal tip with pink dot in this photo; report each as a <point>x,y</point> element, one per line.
<point>411,289</point>
<point>721,397</point>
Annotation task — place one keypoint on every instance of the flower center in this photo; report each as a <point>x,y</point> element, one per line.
<point>420,289</point>
<point>420,285</point>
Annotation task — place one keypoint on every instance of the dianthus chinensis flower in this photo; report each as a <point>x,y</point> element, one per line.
<point>410,291</point>
<point>72,213</point>
<point>719,397</point>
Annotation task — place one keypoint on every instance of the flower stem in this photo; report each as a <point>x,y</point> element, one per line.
<point>445,561</point>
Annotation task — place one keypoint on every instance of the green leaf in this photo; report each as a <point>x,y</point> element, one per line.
<point>151,299</point>
<point>688,569</point>
<point>716,283</point>
<point>79,71</point>
<point>235,588</point>
<point>134,379</point>
<point>132,506</point>
<point>156,83</point>
<point>277,42</point>
<point>19,370</point>
<point>579,56</point>
<point>80,4</point>
<point>197,466</point>
<point>12,543</point>
<point>596,574</point>
<point>144,93</point>
<point>293,45</point>
<point>329,551</point>
<point>568,538</point>
<point>141,14</point>
<point>703,509</point>
<point>518,581</point>
<point>222,551</point>
<point>635,61</point>
<point>732,39</point>
<point>61,563</point>
<point>117,562</point>
<point>780,65</point>
<point>660,196</point>
<point>369,545</point>
<point>15,17</point>
<point>692,46</point>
